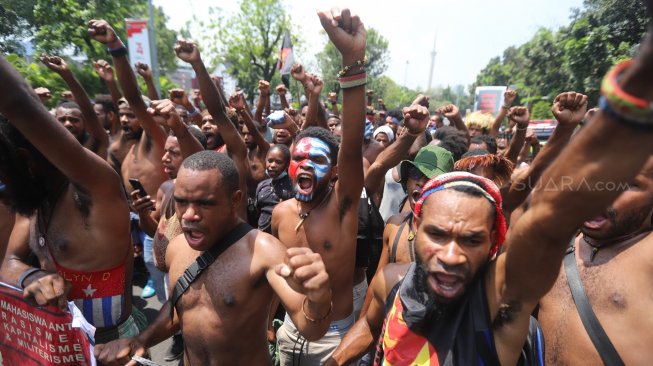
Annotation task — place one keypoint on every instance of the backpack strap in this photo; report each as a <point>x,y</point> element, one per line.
<point>599,338</point>
<point>395,242</point>
<point>203,261</point>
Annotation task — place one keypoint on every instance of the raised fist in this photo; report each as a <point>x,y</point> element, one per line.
<point>569,108</point>
<point>520,116</point>
<point>509,97</point>
<point>416,118</point>
<point>281,89</point>
<point>264,87</point>
<point>347,33</point>
<point>333,97</point>
<point>422,100</point>
<point>166,112</point>
<point>143,70</point>
<point>237,101</point>
<point>104,70</point>
<point>177,96</point>
<point>101,31</point>
<point>314,84</point>
<point>450,111</point>
<point>297,72</point>
<point>55,63</point>
<point>187,51</point>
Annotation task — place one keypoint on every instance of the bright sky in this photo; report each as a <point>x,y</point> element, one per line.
<point>469,32</point>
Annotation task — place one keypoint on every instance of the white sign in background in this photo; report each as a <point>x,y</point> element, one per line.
<point>138,42</point>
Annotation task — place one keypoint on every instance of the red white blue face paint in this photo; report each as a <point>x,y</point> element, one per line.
<point>309,166</point>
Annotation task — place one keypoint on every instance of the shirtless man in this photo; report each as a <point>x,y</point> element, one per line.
<point>613,255</point>
<point>223,313</point>
<point>320,217</point>
<point>127,134</point>
<point>78,117</point>
<point>455,238</point>
<point>75,223</point>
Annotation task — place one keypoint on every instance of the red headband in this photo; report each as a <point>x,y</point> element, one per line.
<point>483,185</point>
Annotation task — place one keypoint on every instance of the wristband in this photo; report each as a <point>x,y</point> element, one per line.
<point>624,119</point>
<point>28,272</point>
<point>347,82</point>
<point>346,69</point>
<point>629,107</point>
<point>116,43</point>
<point>316,320</point>
<point>118,52</point>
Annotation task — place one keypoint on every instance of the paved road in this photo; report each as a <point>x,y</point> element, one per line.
<point>150,307</point>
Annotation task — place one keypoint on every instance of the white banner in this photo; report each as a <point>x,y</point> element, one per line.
<point>139,42</point>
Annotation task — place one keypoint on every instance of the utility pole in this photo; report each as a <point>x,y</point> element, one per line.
<point>153,51</point>
<point>433,53</point>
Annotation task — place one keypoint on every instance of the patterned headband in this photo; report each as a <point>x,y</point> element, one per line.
<point>483,185</point>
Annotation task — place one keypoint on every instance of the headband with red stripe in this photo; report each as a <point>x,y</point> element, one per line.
<point>483,185</point>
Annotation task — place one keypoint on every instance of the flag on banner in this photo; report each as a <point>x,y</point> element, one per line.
<point>286,59</point>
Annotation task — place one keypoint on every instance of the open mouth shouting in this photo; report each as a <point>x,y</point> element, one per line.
<point>305,184</point>
<point>446,286</point>
<point>194,236</point>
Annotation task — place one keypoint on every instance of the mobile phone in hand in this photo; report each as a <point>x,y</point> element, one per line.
<point>136,184</point>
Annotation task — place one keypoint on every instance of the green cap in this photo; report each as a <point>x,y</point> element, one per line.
<point>430,160</point>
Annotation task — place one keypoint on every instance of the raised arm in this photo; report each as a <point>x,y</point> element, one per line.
<point>452,113</point>
<point>102,32</point>
<point>569,109</point>
<point>189,52</point>
<point>508,98</point>
<point>105,72</point>
<point>237,101</point>
<point>281,91</point>
<point>179,96</point>
<point>348,36</point>
<point>145,72</point>
<point>23,109</point>
<point>166,111</point>
<point>91,123</point>
<point>610,150</point>
<point>263,98</point>
<point>313,87</point>
<point>416,118</point>
<point>521,117</point>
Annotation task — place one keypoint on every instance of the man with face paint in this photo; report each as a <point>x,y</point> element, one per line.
<point>466,302</point>
<point>323,216</point>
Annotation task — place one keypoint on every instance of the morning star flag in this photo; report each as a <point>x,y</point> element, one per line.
<point>286,59</point>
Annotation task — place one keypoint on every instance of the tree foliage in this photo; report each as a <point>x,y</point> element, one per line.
<point>574,57</point>
<point>248,42</point>
<point>58,26</point>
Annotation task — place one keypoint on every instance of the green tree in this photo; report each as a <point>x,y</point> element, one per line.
<point>574,57</point>
<point>330,63</point>
<point>61,25</point>
<point>248,42</point>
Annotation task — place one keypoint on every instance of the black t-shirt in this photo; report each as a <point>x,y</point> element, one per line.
<point>268,194</point>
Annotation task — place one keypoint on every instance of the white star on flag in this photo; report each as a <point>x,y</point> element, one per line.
<point>89,290</point>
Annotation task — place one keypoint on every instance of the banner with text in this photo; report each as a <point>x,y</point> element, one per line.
<point>489,98</point>
<point>138,42</point>
<point>39,336</point>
